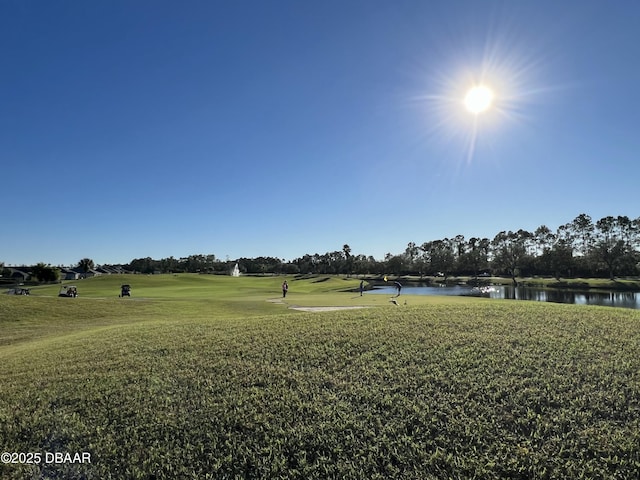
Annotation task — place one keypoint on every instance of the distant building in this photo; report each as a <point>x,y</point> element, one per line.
<point>111,270</point>
<point>20,274</point>
<point>82,274</point>
<point>69,274</point>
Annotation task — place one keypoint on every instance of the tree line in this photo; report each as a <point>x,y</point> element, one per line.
<point>605,248</point>
<point>608,247</point>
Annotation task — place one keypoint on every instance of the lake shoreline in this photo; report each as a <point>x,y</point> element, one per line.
<point>623,285</point>
<point>578,296</point>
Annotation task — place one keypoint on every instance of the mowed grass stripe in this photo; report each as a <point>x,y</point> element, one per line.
<point>457,389</point>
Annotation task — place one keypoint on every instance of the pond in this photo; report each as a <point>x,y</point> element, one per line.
<point>608,298</point>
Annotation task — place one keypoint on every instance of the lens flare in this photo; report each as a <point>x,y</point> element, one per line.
<point>479,89</point>
<point>478,99</point>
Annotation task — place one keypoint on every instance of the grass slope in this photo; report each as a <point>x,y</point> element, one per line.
<point>210,380</point>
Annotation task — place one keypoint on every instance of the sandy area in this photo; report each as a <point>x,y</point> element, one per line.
<point>314,309</point>
<point>323,309</point>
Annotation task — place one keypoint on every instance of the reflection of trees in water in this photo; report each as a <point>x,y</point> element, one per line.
<point>622,299</point>
<point>612,299</point>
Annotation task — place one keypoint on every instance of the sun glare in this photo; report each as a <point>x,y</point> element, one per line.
<point>478,99</point>
<point>475,95</point>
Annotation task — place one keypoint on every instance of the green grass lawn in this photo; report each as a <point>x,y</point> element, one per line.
<point>210,377</point>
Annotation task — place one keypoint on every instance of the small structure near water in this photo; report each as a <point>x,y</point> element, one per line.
<point>236,271</point>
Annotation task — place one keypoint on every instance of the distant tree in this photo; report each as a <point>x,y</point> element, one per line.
<point>610,253</point>
<point>439,257</point>
<point>4,272</point>
<point>566,234</point>
<point>395,264</point>
<point>475,258</point>
<point>557,260</point>
<point>610,246</point>
<point>336,261</point>
<point>169,265</point>
<point>86,264</point>
<point>290,268</point>
<point>45,273</point>
<point>194,263</point>
<point>305,264</point>
<point>411,252</point>
<point>144,265</point>
<point>635,228</point>
<point>443,256</point>
<point>348,264</point>
<point>362,264</point>
<point>261,265</point>
<point>543,238</point>
<point>583,228</point>
<point>509,251</point>
<point>458,245</point>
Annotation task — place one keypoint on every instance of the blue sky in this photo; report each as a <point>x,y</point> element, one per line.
<point>278,128</point>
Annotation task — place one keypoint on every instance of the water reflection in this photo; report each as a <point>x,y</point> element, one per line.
<point>577,297</point>
<point>606,298</point>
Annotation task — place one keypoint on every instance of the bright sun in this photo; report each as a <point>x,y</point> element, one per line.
<point>478,99</point>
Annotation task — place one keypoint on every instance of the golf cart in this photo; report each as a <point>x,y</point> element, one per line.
<point>18,291</point>
<point>125,291</point>
<point>68,291</point>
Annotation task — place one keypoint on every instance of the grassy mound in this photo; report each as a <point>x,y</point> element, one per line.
<point>208,379</point>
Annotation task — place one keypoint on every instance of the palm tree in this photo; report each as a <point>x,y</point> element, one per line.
<point>346,250</point>
<point>86,264</point>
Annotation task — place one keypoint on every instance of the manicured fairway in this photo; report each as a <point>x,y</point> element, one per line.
<point>199,377</point>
